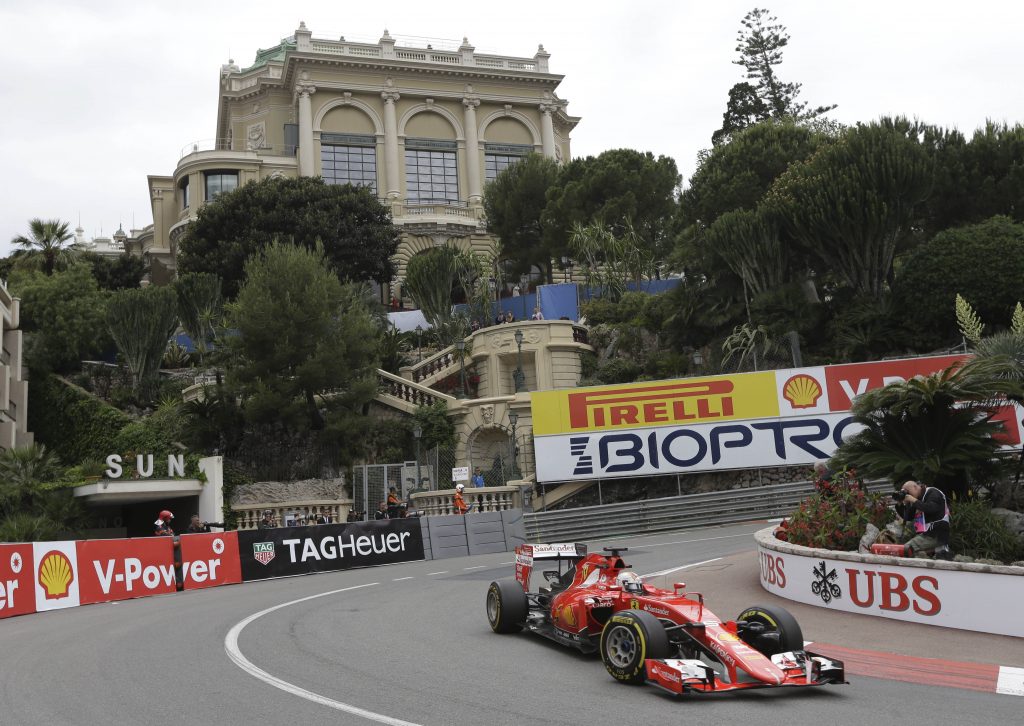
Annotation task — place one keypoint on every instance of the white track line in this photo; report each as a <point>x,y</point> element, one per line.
<point>399,579</point>
<point>442,572</point>
<point>677,569</point>
<point>231,648</point>
<point>475,567</point>
<point>1011,681</point>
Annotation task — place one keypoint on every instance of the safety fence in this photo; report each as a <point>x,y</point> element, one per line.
<point>41,576</point>
<point>670,513</point>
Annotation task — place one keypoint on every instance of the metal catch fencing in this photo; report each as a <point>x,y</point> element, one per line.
<point>671,513</point>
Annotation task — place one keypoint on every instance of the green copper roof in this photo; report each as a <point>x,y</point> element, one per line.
<point>274,53</point>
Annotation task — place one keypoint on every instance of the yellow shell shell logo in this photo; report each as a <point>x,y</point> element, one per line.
<point>56,575</point>
<point>802,391</point>
<point>728,637</point>
<point>568,616</point>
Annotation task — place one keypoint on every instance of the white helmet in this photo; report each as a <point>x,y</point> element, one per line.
<point>459,487</point>
<point>630,582</point>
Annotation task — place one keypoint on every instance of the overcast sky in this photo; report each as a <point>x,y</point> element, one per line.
<point>98,94</point>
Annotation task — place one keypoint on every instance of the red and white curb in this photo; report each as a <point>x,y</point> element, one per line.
<point>983,677</point>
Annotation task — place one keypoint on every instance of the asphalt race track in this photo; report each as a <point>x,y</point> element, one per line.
<point>402,644</point>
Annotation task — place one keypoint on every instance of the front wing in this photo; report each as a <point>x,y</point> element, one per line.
<point>800,668</point>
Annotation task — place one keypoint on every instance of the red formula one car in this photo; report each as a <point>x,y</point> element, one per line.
<point>648,635</point>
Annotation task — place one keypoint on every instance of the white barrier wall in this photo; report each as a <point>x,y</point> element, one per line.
<point>983,598</point>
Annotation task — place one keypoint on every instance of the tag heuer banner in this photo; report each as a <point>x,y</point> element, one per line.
<point>301,550</point>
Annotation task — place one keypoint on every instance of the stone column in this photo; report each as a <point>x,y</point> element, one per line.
<point>472,149</point>
<point>391,145</point>
<point>307,162</point>
<point>547,129</point>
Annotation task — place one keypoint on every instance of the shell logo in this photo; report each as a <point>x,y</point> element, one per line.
<point>568,616</point>
<point>56,574</point>
<point>802,391</point>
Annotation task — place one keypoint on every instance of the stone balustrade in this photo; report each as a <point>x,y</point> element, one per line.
<point>444,360</point>
<point>479,499</point>
<point>408,392</point>
<point>249,515</point>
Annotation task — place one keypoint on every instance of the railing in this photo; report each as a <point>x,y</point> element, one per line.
<point>236,145</point>
<point>456,55</point>
<point>580,335</point>
<point>428,367</point>
<point>433,209</point>
<point>249,515</point>
<point>392,386</point>
<point>479,499</point>
<point>671,513</point>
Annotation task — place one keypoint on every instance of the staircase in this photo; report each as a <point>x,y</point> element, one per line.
<point>405,395</point>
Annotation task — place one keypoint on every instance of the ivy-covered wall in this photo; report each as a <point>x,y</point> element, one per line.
<point>71,422</point>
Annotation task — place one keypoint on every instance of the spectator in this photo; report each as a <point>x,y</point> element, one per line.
<point>322,517</point>
<point>515,290</point>
<point>395,305</point>
<point>509,317</point>
<point>267,522</point>
<point>197,526</point>
<point>537,314</point>
<point>403,511</point>
<point>393,503</point>
<point>500,319</point>
<point>354,516</point>
<point>382,511</point>
<point>162,526</point>
<point>478,478</point>
<point>474,326</point>
<point>926,507</point>
<point>458,503</point>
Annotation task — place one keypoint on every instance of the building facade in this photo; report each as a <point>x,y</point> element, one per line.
<point>425,128</point>
<point>13,387</point>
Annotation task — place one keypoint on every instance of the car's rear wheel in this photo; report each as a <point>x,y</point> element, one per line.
<point>772,630</point>
<point>628,639</point>
<point>507,606</point>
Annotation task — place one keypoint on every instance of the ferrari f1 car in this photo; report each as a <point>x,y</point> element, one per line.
<point>666,638</point>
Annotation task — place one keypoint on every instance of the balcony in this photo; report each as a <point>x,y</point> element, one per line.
<point>452,218</point>
<point>253,149</point>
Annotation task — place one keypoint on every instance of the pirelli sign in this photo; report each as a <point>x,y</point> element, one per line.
<point>773,418</point>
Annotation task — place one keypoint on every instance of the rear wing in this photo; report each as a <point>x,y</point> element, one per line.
<point>527,553</point>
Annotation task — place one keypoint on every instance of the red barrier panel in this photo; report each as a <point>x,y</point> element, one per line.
<point>17,585</point>
<point>208,560</point>
<point>119,569</point>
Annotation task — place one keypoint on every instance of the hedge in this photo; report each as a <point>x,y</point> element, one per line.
<point>72,422</point>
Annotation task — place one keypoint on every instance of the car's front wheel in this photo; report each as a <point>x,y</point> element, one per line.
<point>628,639</point>
<point>507,606</point>
<point>771,629</point>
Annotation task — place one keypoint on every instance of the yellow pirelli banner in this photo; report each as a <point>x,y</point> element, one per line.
<point>655,403</point>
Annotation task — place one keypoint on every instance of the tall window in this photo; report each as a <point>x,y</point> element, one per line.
<point>220,182</point>
<point>184,193</point>
<point>498,157</point>
<point>349,159</point>
<point>431,174</point>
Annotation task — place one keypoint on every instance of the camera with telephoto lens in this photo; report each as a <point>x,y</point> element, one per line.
<point>898,496</point>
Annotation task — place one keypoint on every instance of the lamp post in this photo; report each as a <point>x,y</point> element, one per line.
<point>518,377</point>
<point>567,268</point>
<point>460,346</point>
<point>513,419</point>
<point>417,432</point>
<point>524,281</point>
<point>419,350</point>
<point>493,284</point>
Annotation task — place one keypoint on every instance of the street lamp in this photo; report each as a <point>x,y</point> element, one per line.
<point>518,377</point>
<point>417,432</point>
<point>567,267</point>
<point>524,281</point>
<point>460,346</point>
<point>513,418</point>
<point>419,350</point>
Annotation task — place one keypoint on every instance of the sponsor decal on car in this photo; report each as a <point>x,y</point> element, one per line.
<point>727,637</point>
<point>722,653</point>
<point>656,610</point>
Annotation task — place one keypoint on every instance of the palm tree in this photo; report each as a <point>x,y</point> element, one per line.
<point>47,240</point>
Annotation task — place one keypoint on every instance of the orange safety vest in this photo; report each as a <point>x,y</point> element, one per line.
<point>459,503</point>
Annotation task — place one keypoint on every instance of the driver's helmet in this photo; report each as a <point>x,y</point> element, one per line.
<point>630,582</point>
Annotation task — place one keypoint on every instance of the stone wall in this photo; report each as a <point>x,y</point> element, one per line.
<point>270,492</point>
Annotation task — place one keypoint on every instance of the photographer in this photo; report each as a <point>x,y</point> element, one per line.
<point>926,507</point>
<point>197,526</point>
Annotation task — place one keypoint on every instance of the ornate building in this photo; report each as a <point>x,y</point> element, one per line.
<point>426,128</point>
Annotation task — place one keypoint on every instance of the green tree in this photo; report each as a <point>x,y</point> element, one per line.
<point>355,229</point>
<point>619,187</point>
<point>936,429</point>
<point>200,308</point>
<point>119,273</point>
<point>47,242</point>
<point>607,259</point>
<point>760,43</point>
<point>301,335</point>
<point>852,203</point>
<point>514,203</point>
<point>62,316</point>
<point>751,244</point>
<point>141,322</point>
<point>982,262</point>
<point>31,507</point>
<point>744,109</point>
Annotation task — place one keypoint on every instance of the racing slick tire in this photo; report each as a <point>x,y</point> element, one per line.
<point>628,639</point>
<point>776,620</point>
<point>507,606</point>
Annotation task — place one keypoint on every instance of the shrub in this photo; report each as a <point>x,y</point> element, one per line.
<point>977,532</point>
<point>836,516</point>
